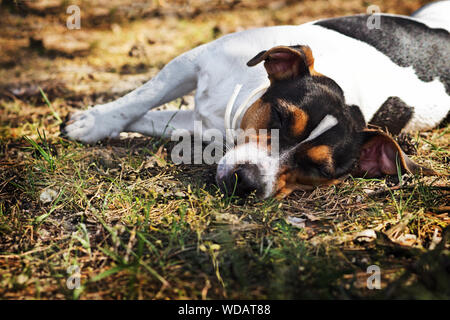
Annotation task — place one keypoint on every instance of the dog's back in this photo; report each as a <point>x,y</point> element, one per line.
<point>435,14</point>
<point>407,42</point>
<point>402,65</point>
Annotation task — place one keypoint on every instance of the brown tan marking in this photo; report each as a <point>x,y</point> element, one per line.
<point>320,154</point>
<point>257,116</point>
<point>292,180</point>
<point>300,122</point>
<point>300,117</point>
<point>310,61</point>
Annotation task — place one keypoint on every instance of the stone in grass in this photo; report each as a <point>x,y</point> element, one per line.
<point>180,194</point>
<point>48,195</point>
<point>367,235</point>
<point>296,222</point>
<point>22,279</point>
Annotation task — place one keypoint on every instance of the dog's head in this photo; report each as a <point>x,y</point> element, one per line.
<point>321,140</point>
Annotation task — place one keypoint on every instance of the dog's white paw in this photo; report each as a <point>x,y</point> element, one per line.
<point>93,125</point>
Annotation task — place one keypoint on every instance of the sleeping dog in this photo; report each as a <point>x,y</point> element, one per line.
<point>321,83</point>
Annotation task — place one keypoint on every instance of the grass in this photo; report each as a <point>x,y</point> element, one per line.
<point>136,226</point>
<point>165,232</point>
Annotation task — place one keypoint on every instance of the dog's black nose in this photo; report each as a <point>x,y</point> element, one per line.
<point>242,181</point>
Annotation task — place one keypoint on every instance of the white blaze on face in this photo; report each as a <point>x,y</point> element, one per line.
<point>268,164</point>
<point>250,153</point>
<point>324,125</point>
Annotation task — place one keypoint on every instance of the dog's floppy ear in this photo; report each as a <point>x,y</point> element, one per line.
<point>285,62</point>
<point>380,155</point>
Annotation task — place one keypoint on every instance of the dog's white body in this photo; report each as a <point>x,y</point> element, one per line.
<point>367,76</point>
<point>435,14</point>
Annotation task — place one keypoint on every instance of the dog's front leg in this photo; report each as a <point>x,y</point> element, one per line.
<point>108,120</point>
<point>100,122</point>
<point>163,123</point>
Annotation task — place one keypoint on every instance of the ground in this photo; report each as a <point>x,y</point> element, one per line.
<point>132,225</point>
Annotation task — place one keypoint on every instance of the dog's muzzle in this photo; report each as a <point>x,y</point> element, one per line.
<point>242,180</point>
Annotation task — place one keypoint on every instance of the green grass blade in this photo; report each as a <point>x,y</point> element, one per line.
<point>54,113</point>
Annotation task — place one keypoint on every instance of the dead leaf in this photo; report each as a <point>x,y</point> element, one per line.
<point>406,240</point>
<point>367,235</point>
<point>48,196</point>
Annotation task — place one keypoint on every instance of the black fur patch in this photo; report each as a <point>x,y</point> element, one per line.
<point>406,42</point>
<point>357,117</point>
<point>392,116</point>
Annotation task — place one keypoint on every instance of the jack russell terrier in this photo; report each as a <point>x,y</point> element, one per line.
<point>395,77</point>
